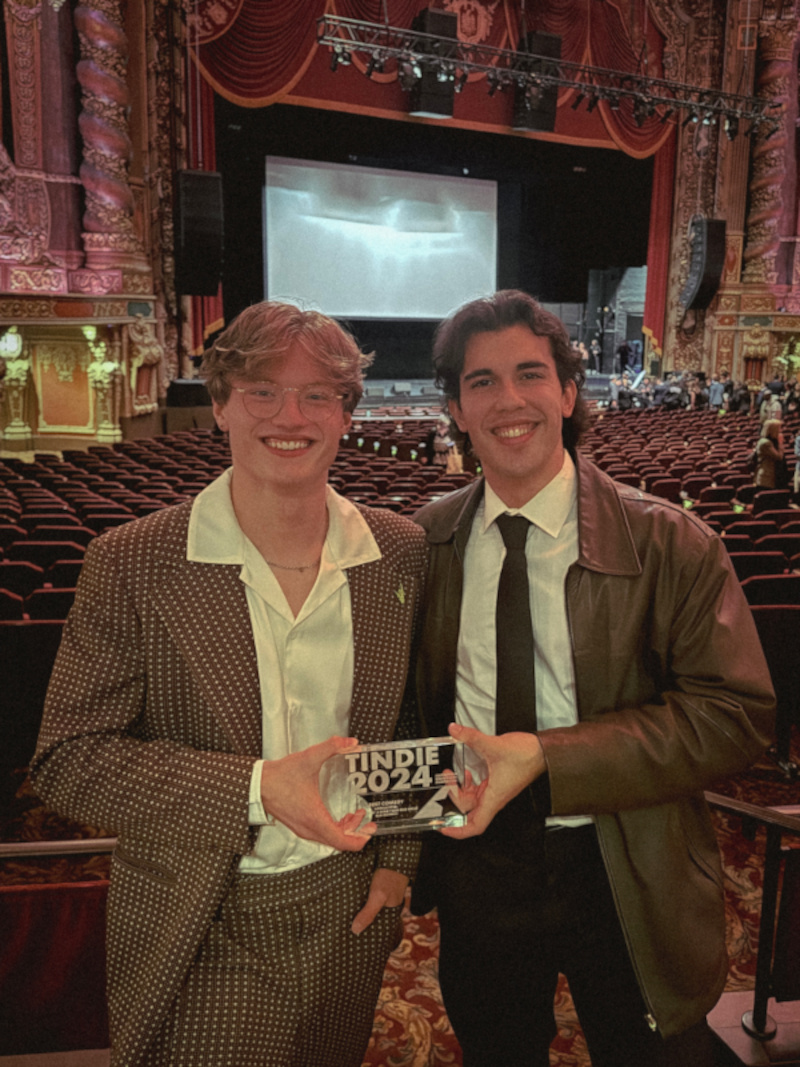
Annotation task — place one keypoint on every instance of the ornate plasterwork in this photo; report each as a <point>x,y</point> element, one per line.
<point>756,343</point>
<point>698,146</point>
<point>24,59</point>
<point>145,351</point>
<point>674,25</point>
<point>64,357</point>
<point>37,280</point>
<point>24,216</point>
<point>103,123</point>
<point>775,81</point>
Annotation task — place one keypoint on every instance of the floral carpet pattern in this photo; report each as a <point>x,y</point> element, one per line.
<point>411,1027</point>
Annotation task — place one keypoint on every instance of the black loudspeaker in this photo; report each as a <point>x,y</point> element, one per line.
<point>431,97</point>
<point>707,259</point>
<point>187,393</point>
<point>199,232</point>
<point>535,108</point>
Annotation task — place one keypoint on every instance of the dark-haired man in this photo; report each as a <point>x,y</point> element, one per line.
<point>589,851</point>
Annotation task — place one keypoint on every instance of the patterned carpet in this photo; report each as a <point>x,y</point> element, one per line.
<point>411,1027</point>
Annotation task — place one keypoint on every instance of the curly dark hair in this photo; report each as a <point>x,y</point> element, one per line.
<point>510,307</point>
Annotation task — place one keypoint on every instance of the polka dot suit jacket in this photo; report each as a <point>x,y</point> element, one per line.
<point>153,721</point>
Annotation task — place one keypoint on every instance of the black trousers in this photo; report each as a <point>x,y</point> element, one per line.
<point>507,930</point>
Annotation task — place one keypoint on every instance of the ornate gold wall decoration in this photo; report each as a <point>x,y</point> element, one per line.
<point>64,357</point>
<point>756,343</point>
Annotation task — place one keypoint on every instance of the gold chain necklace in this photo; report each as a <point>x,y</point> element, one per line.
<point>283,567</point>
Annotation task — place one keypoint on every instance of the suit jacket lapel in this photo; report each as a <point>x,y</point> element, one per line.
<point>205,609</point>
<point>381,639</point>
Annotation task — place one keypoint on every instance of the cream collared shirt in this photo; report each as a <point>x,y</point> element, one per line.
<point>305,664</point>
<point>550,549</point>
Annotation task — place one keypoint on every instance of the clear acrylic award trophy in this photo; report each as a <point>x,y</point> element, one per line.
<point>404,786</point>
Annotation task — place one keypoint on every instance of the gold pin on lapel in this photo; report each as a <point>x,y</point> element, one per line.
<point>401,594</point>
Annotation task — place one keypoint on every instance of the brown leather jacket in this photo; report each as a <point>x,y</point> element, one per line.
<point>672,692</point>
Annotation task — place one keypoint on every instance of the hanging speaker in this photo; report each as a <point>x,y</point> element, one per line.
<point>534,107</point>
<point>433,96</point>
<point>706,262</point>
<point>199,232</point>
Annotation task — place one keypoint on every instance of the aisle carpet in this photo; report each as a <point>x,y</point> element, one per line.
<point>411,1028</point>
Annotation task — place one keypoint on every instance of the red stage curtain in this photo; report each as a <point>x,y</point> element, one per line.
<point>52,968</point>
<point>658,248</point>
<point>207,316</point>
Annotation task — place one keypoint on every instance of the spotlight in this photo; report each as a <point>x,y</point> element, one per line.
<point>593,102</point>
<point>691,117</point>
<point>731,126</point>
<point>643,109</point>
<point>339,55</point>
<point>408,74</point>
<point>577,101</point>
<point>493,81</point>
<point>667,115</point>
<point>445,73</point>
<point>461,81</point>
<point>375,65</point>
<point>613,102</point>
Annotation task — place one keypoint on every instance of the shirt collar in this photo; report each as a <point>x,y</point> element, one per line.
<point>549,509</point>
<point>216,537</point>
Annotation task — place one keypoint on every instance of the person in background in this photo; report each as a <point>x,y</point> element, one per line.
<point>771,472</point>
<point>218,653</point>
<point>716,393</point>
<point>592,645</point>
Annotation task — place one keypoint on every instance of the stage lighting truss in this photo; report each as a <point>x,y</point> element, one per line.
<point>453,61</point>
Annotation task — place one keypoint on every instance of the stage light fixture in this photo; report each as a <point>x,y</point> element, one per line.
<point>409,73</point>
<point>375,65</point>
<point>340,55</point>
<point>643,109</point>
<point>430,53</point>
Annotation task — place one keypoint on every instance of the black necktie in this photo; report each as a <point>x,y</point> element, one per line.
<point>522,820</point>
<point>515,699</point>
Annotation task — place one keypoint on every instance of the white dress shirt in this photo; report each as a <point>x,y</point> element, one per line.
<point>550,549</point>
<point>305,663</point>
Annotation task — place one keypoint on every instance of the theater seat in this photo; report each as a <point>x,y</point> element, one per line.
<point>772,589</point>
<point>49,603</point>
<point>52,973</point>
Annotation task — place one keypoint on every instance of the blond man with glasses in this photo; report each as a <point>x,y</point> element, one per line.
<point>218,654</point>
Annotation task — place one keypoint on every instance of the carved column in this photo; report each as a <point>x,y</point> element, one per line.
<point>17,434</point>
<point>105,377</point>
<point>110,239</point>
<point>769,168</point>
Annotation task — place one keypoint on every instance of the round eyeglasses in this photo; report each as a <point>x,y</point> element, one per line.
<point>262,400</point>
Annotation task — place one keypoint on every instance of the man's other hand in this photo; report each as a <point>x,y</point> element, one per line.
<point>513,761</point>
